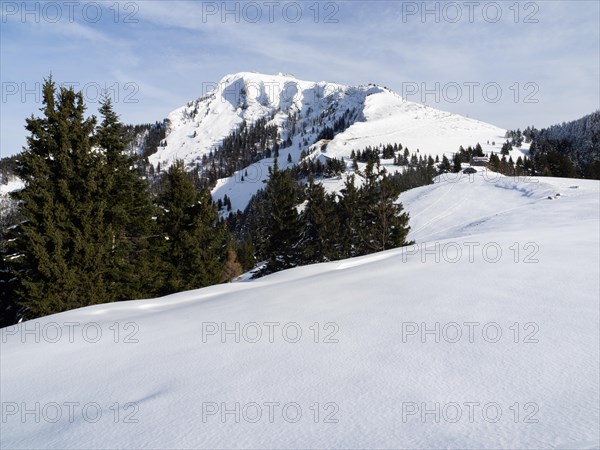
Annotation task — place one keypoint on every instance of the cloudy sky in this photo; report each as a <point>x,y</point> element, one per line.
<point>508,63</point>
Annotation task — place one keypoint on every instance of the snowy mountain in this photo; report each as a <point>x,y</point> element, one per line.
<point>359,116</point>
<point>379,116</point>
<point>484,334</point>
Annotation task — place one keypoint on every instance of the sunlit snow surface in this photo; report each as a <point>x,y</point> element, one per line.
<point>370,375</point>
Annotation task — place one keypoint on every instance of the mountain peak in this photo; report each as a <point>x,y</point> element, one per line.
<point>304,112</point>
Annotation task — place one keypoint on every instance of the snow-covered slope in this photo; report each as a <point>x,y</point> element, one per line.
<point>373,115</point>
<point>526,377</point>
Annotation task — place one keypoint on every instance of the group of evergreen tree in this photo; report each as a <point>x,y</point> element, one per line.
<point>224,203</point>
<point>544,160</point>
<point>464,156</point>
<point>368,155</point>
<point>332,167</point>
<point>89,231</point>
<point>400,155</point>
<point>521,167</point>
<point>507,147</point>
<point>247,145</point>
<point>551,160</point>
<point>8,207</point>
<point>570,149</point>
<point>146,137</point>
<point>356,221</point>
<point>516,137</point>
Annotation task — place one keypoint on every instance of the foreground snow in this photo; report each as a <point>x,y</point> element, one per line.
<point>369,380</point>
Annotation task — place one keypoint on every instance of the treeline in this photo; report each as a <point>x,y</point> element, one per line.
<point>546,158</point>
<point>247,145</point>
<point>543,160</point>
<point>570,149</point>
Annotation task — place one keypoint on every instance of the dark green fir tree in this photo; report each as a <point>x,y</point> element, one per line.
<point>283,227</point>
<point>60,248</point>
<point>194,242</point>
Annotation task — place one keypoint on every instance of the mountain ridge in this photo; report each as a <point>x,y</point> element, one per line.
<point>313,120</point>
<point>248,96</point>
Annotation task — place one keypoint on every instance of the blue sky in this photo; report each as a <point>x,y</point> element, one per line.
<point>536,63</point>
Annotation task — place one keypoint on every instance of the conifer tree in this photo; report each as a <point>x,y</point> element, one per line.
<point>445,167</point>
<point>494,163</point>
<point>9,309</point>
<point>456,163</point>
<point>129,210</point>
<point>245,253</point>
<point>382,223</point>
<point>348,211</point>
<point>61,247</point>
<point>319,220</point>
<point>283,227</point>
<point>86,212</point>
<point>194,245</point>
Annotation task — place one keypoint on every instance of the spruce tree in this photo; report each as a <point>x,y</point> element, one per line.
<point>382,224</point>
<point>60,247</point>
<point>132,266</point>
<point>456,163</point>
<point>348,212</point>
<point>87,214</point>
<point>194,244</point>
<point>320,230</point>
<point>283,227</point>
<point>245,253</point>
<point>445,167</point>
